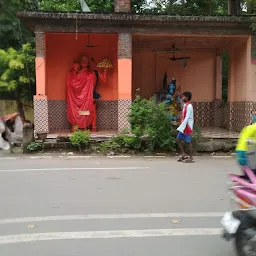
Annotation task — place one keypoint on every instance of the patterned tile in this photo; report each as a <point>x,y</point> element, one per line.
<point>113,115</point>
<point>123,112</point>
<point>203,113</point>
<point>240,114</point>
<point>107,112</point>
<point>58,115</point>
<point>41,119</point>
<point>219,113</point>
<point>107,115</point>
<point>233,116</point>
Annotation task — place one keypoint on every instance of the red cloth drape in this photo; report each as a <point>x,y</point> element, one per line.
<point>80,97</point>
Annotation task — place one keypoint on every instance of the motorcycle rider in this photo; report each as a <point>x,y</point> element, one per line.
<point>248,134</point>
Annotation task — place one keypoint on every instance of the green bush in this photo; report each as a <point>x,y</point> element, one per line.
<point>122,143</point>
<point>152,121</point>
<point>151,130</point>
<point>34,146</point>
<point>80,138</point>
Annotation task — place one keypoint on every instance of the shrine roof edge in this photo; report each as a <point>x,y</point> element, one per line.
<point>63,22</point>
<point>131,16</point>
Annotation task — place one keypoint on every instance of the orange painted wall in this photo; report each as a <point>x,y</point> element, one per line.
<point>253,80</point>
<point>199,76</point>
<point>63,49</point>
<point>242,73</point>
<point>241,78</point>
<point>124,79</point>
<point>40,76</point>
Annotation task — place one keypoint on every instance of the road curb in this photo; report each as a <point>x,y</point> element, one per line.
<point>77,157</point>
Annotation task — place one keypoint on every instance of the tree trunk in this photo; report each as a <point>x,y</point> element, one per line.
<point>234,7</point>
<point>210,7</point>
<point>20,109</point>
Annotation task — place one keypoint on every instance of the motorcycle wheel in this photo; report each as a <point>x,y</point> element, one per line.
<point>241,244</point>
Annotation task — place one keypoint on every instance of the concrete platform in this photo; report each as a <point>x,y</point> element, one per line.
<point>207,132</point>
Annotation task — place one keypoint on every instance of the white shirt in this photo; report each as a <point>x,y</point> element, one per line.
<point>188,120</point>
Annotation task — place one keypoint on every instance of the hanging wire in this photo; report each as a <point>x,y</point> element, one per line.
<point>76,27</point>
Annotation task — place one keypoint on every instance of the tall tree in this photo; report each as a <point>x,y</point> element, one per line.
<point>18,74</point>
<point>100,6</point>
<point>189,7</point>
<point>11,29</point>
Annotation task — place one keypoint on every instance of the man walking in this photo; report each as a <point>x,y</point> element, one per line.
<point>185,130</point>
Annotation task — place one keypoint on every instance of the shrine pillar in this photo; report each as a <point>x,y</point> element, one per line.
<point>234,7</point>
<point>41,114</point>
<point>124,79</point>
<point>124,69</point>
<point>241,87</point>
<point>218,88</point>
<point>217,104</point>
<point>122,6</point>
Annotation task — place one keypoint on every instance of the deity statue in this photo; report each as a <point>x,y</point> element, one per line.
<point>81,93</point>
<point>171,96</point>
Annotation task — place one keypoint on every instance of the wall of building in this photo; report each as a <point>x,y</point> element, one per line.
<point>199,76</point>
<point>61,51</point>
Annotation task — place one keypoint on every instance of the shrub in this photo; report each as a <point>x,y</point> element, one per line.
<point>151,129</point>
<point>34,146</point>
<point>80,138</point>
<point>152,121</point>
<point>123,142</point>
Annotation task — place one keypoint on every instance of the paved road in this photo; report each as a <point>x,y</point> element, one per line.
<point>113,207</point>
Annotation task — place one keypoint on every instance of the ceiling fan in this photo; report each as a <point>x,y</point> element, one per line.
<point>174,58</point>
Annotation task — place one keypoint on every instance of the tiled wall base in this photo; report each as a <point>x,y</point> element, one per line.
<point>58,115</point>
<point>233,116</point>
<point>41,119</point>
<point>123,112</point>
<point>241,114</point>
<point>210,113</point>
<point>107,115</point>
<point>202,113</point>
<point>107,112</point>
<point>113,115</point>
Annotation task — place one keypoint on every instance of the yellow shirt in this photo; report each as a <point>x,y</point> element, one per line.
<point>249,132</point>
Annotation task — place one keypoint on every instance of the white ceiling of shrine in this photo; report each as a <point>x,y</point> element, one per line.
<point>153,42</point>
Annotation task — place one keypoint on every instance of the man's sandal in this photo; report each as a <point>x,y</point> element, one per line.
<point>188,160</point>
<point>182,158</point>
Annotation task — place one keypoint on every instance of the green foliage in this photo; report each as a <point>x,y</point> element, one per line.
<point>192,7</point>
<point>59,5</point>
<point>99,6</point>
<point>34,147</point>
<point>80,138</point>
<point>17,71</point>
<point>11,30</point>
<point>151,129</point>
<point>225,76</point>
<point>122,143</point>
<point>152,121</point>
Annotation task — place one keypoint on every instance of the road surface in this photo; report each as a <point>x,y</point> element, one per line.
<point>120,206</point>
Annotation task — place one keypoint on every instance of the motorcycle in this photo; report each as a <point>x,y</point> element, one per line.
<point>240,225</point>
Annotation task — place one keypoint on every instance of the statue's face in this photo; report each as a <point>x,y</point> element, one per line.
<point>76,67</point>
<point>84,62</point>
